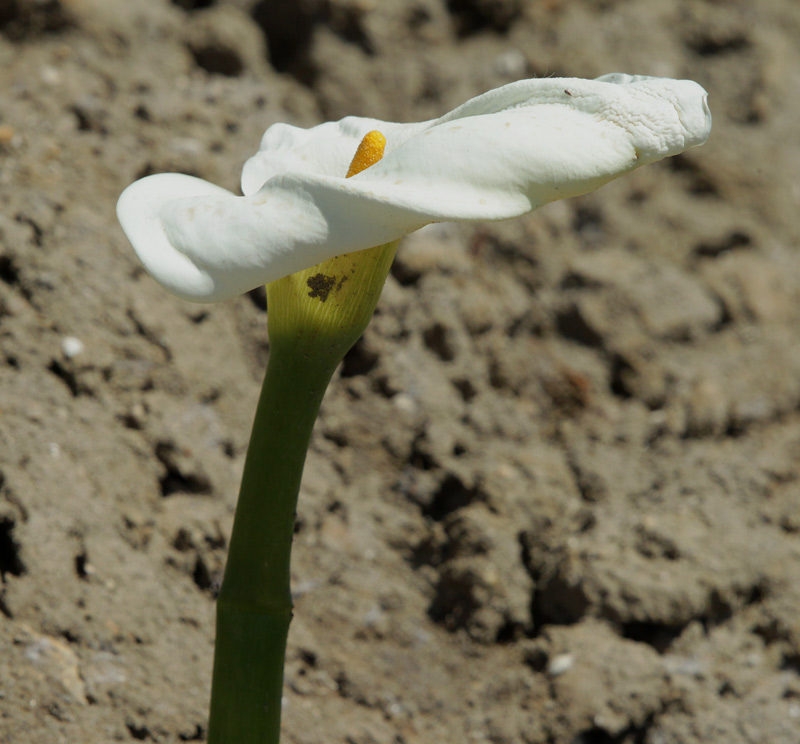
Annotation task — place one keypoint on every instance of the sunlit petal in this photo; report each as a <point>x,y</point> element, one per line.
<point>497,156</point>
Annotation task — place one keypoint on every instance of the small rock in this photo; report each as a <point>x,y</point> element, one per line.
<point>560,664</point>
<point>56,659</point>
<point>50,75</point>
<point>685,666</point>
<point>511,64</point>
<point>405,403</point>
<point>72,346</point>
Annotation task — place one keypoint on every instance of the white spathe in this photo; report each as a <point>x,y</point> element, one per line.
<point>497,156</point>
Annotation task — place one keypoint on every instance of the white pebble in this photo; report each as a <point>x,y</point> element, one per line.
<point>72,346</point>
<point>186,146</point>
<point>50,75</point>
<point>560,664</point>
<point>405,403</point>
<point>511,64</point>
<point>685,666</point>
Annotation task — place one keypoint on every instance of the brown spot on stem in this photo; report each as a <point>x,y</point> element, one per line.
<point>320,286</point>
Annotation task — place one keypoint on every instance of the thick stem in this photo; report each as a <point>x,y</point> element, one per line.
<point>255,606</point>
<point>310,332</point>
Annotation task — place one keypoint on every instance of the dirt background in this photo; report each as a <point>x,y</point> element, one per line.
<point>553,494</point>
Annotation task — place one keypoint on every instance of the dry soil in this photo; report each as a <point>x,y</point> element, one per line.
<point>553,493</point>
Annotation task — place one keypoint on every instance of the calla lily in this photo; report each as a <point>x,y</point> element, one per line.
<point>497,156</point>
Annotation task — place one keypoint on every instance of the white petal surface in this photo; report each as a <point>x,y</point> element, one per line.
<point>139,212</point>
<point>497,156</point>
<point>326,149</point>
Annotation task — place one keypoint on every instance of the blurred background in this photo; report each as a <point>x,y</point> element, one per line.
<point>553,494</point>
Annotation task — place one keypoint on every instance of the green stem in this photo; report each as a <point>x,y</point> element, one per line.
<point>255,605</point>
<point>310,332</point>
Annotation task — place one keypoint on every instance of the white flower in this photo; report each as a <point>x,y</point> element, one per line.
<point>497,156</point>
